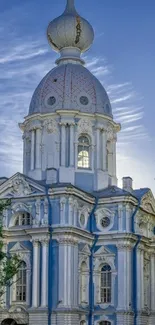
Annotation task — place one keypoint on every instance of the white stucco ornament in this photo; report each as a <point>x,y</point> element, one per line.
<point>20,187</point>
<point>51,126</point>
<point>84,126</point>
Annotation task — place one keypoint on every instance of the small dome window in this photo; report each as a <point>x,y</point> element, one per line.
<point>51,101</point>
<point>84,100</point>
<point>105,222</point>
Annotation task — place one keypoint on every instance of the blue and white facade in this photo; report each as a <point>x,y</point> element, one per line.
<point>87,247</point>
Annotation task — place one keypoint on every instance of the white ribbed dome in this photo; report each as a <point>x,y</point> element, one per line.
<point>70,31</point>
<point>70,87</point>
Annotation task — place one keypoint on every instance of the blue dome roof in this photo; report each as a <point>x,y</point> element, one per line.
<point>70,87</point>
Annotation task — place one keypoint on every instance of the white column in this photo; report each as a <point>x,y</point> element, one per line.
<point>124,276</point>
<point>104,151</point>
<point>24,153</point>
<point>36,274</point>
<point>140,278</point>
<point>121,277</point>
<point>44,279</point>
<point>114,157</point>
<point>68,271</point>
<point>152,282</point>
<point>32,148</point>
<point>38,148</point>
<point>72,147</point>
<point>98,151</point>
<point>28,278</point>
<point>63,144</point>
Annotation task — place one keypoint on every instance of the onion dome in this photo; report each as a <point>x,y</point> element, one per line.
<point>70,34</point>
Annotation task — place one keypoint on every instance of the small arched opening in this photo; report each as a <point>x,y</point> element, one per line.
<point>9,321</point>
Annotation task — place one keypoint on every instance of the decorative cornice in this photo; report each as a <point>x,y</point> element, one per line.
<point>67,240</point>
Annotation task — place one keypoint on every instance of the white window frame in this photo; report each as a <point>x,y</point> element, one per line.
<point>84,259</point>
<point>89,151</point>
<point>101,260</point>
<point>24,255</point>
<point>19,216</point>
<point>101,213</point>
<point>21,285</point>
<point>106,287</point>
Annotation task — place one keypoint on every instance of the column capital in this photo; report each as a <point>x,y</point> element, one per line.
<point>45,241</point>
<point>35,242</point>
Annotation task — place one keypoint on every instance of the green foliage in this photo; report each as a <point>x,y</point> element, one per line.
<point>8,264</point>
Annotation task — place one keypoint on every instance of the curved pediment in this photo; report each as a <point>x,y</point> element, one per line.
<point>148,202</point>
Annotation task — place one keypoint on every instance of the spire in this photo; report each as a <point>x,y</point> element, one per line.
<point>70,7</point>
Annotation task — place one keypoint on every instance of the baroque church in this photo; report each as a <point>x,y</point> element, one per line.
<point>87,247</point>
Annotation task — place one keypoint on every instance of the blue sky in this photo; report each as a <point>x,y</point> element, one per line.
<point>122,57</point>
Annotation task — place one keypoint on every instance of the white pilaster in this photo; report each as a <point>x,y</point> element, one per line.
<point>4,296</point>
<point>152,282</point>
<point>98,151</point>
<point>70,212</point>
<point>63,144</point>
<point>72,148</point>
<point>62,210</point>
<point>44,274</point>
<point>68,267</point>
<point>24,153</point>
<point>36,274</point>
<point>140,278</point>
<point>114,157</point>
<point>32,148</point>
<point>124,276</point>
<point>120,217</point>
<point>128,218</point>
<point>110,158</point>
<point>104,151</point>
<point>38,148</point>
<point>28,279</point>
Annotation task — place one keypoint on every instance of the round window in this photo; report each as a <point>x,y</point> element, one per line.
<point>84,100</point>
<point>105,222</point>
<point>51,101</point>
<point>82,219</point>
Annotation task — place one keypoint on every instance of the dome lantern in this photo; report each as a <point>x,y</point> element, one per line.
<point>70,34</point>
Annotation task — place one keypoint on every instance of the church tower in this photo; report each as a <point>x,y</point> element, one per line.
<point>69,133</point>
<point>86,247</point>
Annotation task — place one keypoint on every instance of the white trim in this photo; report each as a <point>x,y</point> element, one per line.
<point>103,212</point>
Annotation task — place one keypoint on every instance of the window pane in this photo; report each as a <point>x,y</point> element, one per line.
<point>21,283</point>
<point>106,284</point>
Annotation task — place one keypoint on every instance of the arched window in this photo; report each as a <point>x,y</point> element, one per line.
<point>83,288</point>
<point>106,284</point>
<point>21,283</point>
<point>83,152</point>
<point>104,322</point>
<point>23,219</point>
